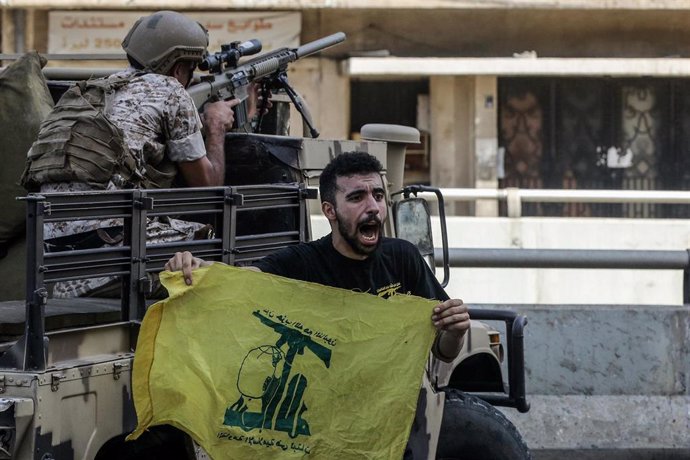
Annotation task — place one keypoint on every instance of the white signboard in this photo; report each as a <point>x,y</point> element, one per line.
<point>102,32</point>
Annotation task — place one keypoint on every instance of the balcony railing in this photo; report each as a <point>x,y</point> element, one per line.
<point>514,198</point>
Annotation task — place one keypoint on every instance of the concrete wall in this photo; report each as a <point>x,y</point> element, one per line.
<point>452,133</point>
<point>327,93</point>
<point>464,32</point>
<point>503,31</point>
<point>485,149</point>
<point>607,377</point>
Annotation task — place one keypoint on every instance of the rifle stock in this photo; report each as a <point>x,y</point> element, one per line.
<point>234,82</point>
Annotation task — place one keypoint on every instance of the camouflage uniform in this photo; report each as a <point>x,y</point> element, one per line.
<point>157,117</point>
<point>156,113</point>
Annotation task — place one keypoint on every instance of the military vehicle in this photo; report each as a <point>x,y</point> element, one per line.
<point>65,364</point>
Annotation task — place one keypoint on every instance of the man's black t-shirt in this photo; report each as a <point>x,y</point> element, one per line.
<point>395,267</point>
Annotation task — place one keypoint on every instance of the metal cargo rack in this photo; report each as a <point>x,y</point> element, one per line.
<point>222,207</point>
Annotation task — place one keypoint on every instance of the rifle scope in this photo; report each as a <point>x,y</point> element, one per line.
<point>230,55</point>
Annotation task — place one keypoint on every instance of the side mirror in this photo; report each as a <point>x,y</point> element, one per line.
<point>412,219</point>
<point>413,223</point>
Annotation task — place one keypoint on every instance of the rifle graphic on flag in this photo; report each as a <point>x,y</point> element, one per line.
<point>289,418</point>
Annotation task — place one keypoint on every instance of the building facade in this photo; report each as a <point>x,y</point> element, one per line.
<point>509,93</point>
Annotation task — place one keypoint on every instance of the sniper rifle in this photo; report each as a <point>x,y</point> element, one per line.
<point>228,80</point>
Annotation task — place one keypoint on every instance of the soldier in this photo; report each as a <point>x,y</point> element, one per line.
<point>136,128</point>
<point>356,256</point>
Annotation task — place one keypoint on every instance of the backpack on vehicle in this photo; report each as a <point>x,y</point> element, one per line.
<point>77,142</point>
<point>25,101</point>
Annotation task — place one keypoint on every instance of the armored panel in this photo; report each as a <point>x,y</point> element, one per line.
<point>252,159</point>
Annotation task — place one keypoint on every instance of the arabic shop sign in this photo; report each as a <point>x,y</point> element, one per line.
<point>102,32</point>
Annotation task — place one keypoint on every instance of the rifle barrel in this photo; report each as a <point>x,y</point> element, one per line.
<point>224,84</point>
<point>320,44</point>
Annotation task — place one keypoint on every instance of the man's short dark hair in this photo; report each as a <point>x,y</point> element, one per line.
<point>345,165</point>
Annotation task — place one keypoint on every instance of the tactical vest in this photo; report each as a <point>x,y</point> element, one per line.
<point>77,143</point>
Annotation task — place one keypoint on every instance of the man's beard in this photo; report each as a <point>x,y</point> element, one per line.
<point>351,238</point>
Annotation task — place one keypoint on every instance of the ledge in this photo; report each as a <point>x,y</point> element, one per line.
<point>615,67</point>
<point>644,5</point>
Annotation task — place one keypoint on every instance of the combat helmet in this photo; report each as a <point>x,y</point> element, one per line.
<point>161,39</point>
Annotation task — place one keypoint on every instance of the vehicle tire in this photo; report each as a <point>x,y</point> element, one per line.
<point>472,429</point>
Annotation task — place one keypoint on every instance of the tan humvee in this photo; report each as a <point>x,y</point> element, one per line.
<point>65,364</point>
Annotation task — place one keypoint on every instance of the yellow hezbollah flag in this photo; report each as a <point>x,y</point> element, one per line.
<point>253,365</point>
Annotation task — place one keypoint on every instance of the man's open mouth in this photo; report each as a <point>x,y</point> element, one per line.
<point>369,231</point>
